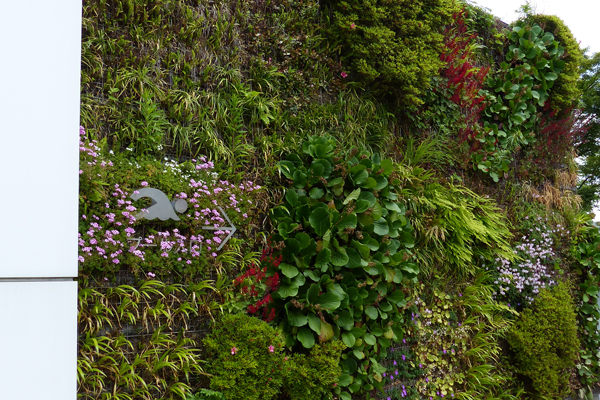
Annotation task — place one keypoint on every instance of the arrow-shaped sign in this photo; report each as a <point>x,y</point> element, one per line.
<point>231,229</point>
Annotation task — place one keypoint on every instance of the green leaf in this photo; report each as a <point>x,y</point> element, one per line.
<point>313,294</point>
<point>370,183</point>
<point>345,396</point>
<point>323,257</point>
<point>550,76</point>
<point>316,193</point>
<point>381,227</point>
<point>352,196</point>
<point>531,53</point>
<point>303,239</point>
<point>361,206</point>
<point>314,323</point>
<point>377,211</point>
<point>384,342</point>
<point>292,197</point>
<point>345,380</point>
<point>354,260</point>
<point>339,258</point>
<point>287,290</point>
<point>370,339</point>
<point>295,317</point>
<point>312,274</point>
<point>360,176</point>
<point>348,339</point>
<point>396,296</point>
<point>326,332</point>
<point>370,197</point>
<point>306,337</point>
<point>288,270</point>
<point>387,165</point>
<point>299,178</point>
<point>329,301</point>
<point>319,220</point>
<point>349,221</point>
<point>371,312</point>
<point>390,205</point>
<point>345,320</point>
<point>287,168</point>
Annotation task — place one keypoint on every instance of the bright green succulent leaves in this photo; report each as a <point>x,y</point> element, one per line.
<point>344,242</point>
<point>517,94</point>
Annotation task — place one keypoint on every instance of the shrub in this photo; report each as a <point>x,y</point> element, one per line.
<point>393,47</point>
<point>248,362</point>
<point>544,341</point>
<point>518,91</point>
<point>565,91</point>
<point>247,358</point>
<point>312,376</point>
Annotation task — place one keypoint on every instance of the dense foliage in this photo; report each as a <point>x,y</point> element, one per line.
<point>393,48</point>
<point>247,361</point>
<point>379,203</point>
<point>544,341</point>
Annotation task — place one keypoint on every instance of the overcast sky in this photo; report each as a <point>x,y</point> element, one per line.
<point>581,16</point>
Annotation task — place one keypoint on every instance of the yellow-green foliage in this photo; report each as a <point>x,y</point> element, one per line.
<point>565,92</point>
<point>544,342</point>
<point>394,47</point>
<point>457,328</point>
<point>454,226</point>
<point>247,362</point>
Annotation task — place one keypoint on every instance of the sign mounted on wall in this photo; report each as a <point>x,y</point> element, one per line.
<point>161,207</point>
<point>164,209</point>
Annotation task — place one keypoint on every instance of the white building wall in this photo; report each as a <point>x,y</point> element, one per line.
<point>40,43</point>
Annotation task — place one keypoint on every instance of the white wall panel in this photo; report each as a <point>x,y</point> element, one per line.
<point>40,45</point>
<point>38,340</point>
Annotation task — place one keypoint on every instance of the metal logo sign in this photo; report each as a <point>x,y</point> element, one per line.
<point>161,207</point>
<point>164,209</point>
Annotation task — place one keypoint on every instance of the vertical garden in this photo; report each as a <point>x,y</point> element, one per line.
<point>364,200</point>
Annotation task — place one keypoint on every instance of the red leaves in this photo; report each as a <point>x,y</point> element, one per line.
<point>464,78</point>
<point>255,283</point>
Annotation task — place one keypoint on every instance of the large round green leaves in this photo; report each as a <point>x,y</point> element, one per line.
<point>319,220</point>
<point>306,337</point>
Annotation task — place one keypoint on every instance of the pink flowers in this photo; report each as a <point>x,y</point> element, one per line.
<point>352,25</point>
<point>344,75</point>
<point>233,350</point>
<point>271,349</point>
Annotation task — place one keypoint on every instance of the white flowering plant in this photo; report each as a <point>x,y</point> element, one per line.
<point>538,262</point>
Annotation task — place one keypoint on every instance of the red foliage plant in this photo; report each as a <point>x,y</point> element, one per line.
<point>464,78</point>
<point>256,286</point>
